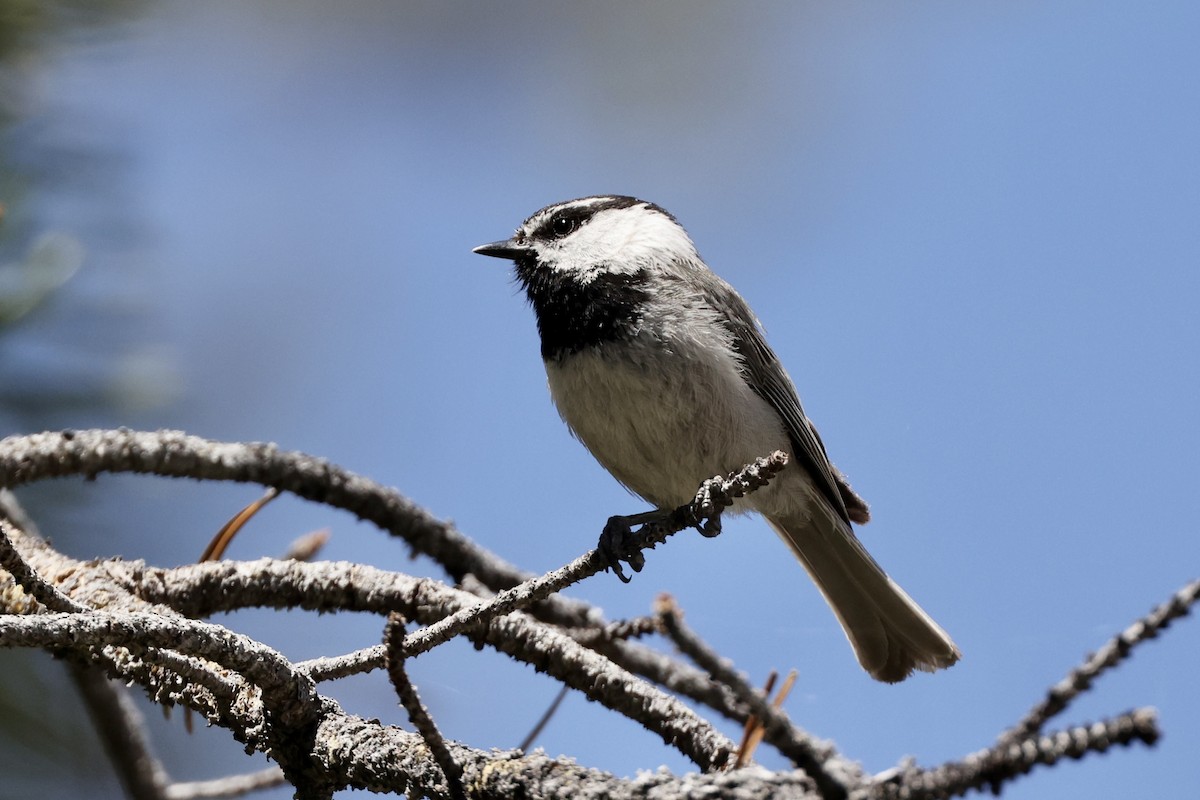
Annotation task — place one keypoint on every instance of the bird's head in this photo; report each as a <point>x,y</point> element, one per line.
<point>581,240</point>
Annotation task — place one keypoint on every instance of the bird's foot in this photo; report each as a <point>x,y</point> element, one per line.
<point>705,514</point>
<point>710,527</point>
<point>620,543</point>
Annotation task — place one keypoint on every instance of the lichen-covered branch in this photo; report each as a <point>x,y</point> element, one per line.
<point>806,752</point>
<point>208,588</point>
<point>37,457</point>
<point>138,624</point>
<point>992,768</point>
<point>1113,653</point>
<point>26,577</point>
<point>229,786</point>
<point>418,715</point>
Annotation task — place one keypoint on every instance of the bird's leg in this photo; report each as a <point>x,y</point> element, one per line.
<point>618,542</point>
<point>708,514</point>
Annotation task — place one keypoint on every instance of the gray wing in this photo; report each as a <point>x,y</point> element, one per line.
<point>769,381</point>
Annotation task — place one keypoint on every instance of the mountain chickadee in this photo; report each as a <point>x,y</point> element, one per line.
<point>660,368</point>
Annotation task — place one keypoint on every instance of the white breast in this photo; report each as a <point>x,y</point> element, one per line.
<point>663,420</point>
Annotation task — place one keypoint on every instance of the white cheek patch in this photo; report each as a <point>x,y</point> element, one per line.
<point>621,241</point>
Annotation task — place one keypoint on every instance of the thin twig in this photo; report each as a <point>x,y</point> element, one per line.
<point>206,589</point>
<point>619,630</point>
<point>122,731</point>
<point>672,674</point>
<point>714,495</point>
<point>333,668</point>
<point>46,593</point>
<point>579,668</point>
<point>393,640</point>
<point>540,726</point>
<point>229,786</point>
<point>806,752</point>
<point>1115,651</point>
<point>703,513</point>
<point>993,768</point>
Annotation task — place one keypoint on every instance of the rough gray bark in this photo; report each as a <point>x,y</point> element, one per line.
<point>139,624</point>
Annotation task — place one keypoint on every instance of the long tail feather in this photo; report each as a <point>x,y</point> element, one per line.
<point>891,635</point>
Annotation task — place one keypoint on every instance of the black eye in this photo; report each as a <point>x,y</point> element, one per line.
<point>561,226</point>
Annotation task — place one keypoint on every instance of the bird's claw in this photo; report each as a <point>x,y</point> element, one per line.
<point>710,527</point>
<point>618,543</point>
<point>703,510</point>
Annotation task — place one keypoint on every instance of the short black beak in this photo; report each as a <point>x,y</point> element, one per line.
<point>509,248</point>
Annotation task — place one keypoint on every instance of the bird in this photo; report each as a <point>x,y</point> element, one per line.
<point>660,368</point>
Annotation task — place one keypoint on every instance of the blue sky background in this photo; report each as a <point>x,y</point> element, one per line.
<point>969,229</point>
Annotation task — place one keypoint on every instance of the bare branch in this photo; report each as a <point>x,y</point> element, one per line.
<point>364,754</point>
<point>131,622</point>
<point>633,628</point>
<point>289,694</point>
<point>540,725</point>
<point>203,589</point>
<point>601,680</point>
<point>715,495</point>
<point>207,589</point>
<point>26,577</point>
<point>418,715</point>
<point>27,459</point>
<point>122,731</point>
<point>333,668</point>
<point>670,673</point>
<point>619,543</point>
<point>808,753</point>
<point>230,786</point>
<point>990,769</point>
<point>1115,651</point>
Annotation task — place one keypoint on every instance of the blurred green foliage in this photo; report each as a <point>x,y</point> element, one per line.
<point>34,263</point>
<point>42,728</point>
<point>87,355</point>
